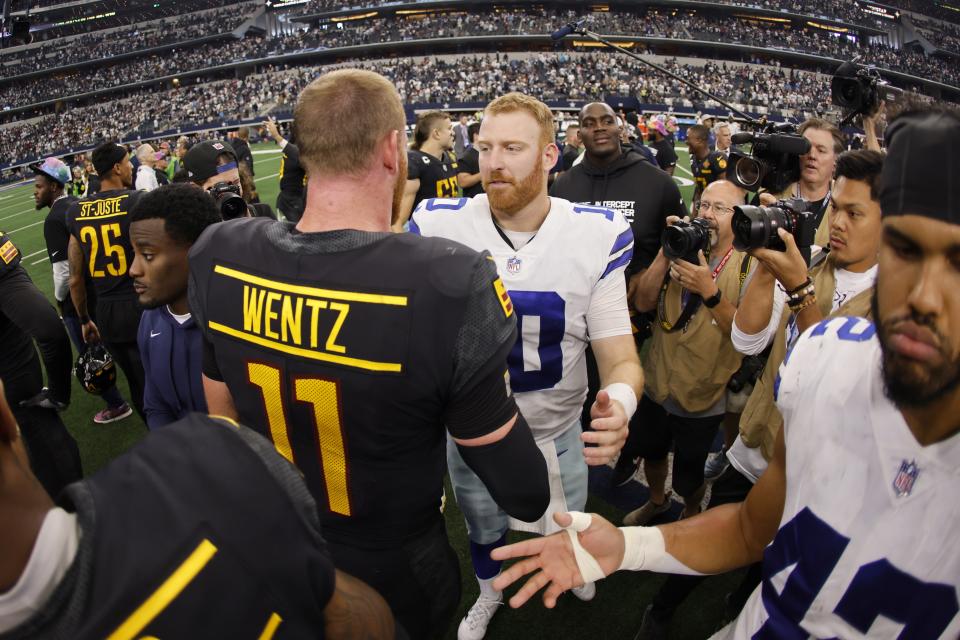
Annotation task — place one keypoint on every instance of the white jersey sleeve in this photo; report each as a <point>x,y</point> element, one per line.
<point>608,315</point>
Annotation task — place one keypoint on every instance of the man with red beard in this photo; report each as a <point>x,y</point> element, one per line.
<point>856,516</point>
<point>563,267</point>
<point>356,351</point>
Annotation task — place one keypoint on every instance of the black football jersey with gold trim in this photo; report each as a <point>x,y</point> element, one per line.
<point>347,350</point>
<point>101,223</point>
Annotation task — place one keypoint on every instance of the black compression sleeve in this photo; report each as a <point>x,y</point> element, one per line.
<point>514,472</point>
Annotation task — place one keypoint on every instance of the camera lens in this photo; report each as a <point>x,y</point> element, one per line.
<point>232,206</point>
<point>748,173</point>
<point>675,241</point>
<point>756,227</point>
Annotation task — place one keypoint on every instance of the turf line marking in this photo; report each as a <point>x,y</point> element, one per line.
<point>272,175</point>
<point>36,262</point>
<point>34,253</point>
<point>26,227</point>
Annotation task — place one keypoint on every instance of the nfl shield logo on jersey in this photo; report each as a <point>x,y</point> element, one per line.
<point>906,477</point>
<point>513,264</point>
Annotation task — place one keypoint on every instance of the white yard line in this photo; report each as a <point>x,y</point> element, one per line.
<point>26,227</point>
<point>36,262</point>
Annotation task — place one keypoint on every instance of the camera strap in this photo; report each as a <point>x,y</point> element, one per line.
<point>693,303</point>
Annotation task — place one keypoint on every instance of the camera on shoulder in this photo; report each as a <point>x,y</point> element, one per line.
<point>756,227</point>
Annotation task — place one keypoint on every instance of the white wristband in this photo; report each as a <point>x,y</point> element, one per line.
<point>623,393</point>
<point>644,550</point>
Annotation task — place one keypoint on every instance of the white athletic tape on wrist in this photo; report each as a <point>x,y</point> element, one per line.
<point>589,567</point>
<point>644,550</point>
<point>623,393</point>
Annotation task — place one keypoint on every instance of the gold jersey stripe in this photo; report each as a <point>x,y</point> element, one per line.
<point>369,365</point>
<point>330,294</point>
<point>272,624</point>
<point>166,593</point>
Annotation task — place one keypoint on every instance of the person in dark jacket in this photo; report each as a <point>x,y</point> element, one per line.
<point>620,178</point>
<point>241,146</point>
<point>163,227</point>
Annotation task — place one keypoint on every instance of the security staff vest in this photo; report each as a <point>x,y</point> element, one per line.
<point>761,420</point>
<point>693,365</point>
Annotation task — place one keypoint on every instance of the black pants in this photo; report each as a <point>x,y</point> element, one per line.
<point>730,487</point>
<point>54,455</point>
<point>118,322</point>
<point>653,432</point>
<point>420,580</point>
<point>290,205</point>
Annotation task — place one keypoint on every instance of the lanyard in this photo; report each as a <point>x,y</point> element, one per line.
<point>692,304</point>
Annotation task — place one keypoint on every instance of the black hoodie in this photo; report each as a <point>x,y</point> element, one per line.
<point>643,193</point>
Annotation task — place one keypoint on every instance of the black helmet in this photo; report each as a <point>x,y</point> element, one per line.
<point>95,369</point>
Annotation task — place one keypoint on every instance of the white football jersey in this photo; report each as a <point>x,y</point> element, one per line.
<point>867,546</point>
<point>576,253</point>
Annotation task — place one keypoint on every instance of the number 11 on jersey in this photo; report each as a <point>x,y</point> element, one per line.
<point>323,396</point>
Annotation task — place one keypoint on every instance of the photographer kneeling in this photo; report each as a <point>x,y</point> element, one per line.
<point>212,166</point>
<point>691,357</point>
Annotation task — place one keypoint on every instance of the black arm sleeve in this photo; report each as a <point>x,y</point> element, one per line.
<point>514,472</point>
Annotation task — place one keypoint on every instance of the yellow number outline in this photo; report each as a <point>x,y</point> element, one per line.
<point>117,267</point>
<point>324,396</point>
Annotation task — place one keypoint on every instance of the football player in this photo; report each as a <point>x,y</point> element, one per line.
<point>356,350</point>
<point>431,167</point>
<point>228,546</point>
<point>563,267</point>
<point>856,512</point>
<point>100,249</point>
<point>52,176</point>
<point>705,165</point>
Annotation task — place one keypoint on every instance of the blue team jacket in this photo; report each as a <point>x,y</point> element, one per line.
<point>172,361</point>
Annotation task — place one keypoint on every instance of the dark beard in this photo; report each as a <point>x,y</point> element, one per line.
<point>902,384</point>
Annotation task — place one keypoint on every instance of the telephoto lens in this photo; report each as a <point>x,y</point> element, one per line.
<point>682,240</point>
<point>756,227</point>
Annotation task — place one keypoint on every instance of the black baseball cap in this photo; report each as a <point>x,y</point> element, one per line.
<point>201,160</point>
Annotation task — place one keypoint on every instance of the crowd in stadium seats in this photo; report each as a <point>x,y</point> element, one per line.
<point>84,18</point>
<point>940,34</point>
<point>419,80</point>
<point>99,45</point>
<point>513,22</point>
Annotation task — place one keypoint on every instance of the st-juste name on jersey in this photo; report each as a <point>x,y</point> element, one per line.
<point>867,546</point>
<point>550,281</point>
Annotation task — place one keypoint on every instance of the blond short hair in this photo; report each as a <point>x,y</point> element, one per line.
<point>342,116</point>
<point>516,101</point>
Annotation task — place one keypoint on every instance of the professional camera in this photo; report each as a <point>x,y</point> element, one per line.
<point>860,90</point>
<point>228,198</point>
<point>773,162</point>
<point>756,227</point>
<point>682,240</point>
<point>750,369</point>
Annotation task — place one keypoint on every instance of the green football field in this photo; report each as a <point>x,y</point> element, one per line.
<point>614,613</point>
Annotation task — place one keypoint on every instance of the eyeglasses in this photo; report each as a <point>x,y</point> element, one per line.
<point>703,207</point>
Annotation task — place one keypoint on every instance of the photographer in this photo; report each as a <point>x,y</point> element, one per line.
<point>212,166</point>
<point>691,357</point>
<point>816,173</point>
<point>840,285</point>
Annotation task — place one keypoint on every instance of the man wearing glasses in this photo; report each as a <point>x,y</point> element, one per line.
<point>691,356</point>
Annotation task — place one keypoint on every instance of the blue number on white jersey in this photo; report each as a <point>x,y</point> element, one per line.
<point>550,308</point>
<point>878,588</point>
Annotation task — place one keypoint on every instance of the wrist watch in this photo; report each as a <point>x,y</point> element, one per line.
<point>713,300</point>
